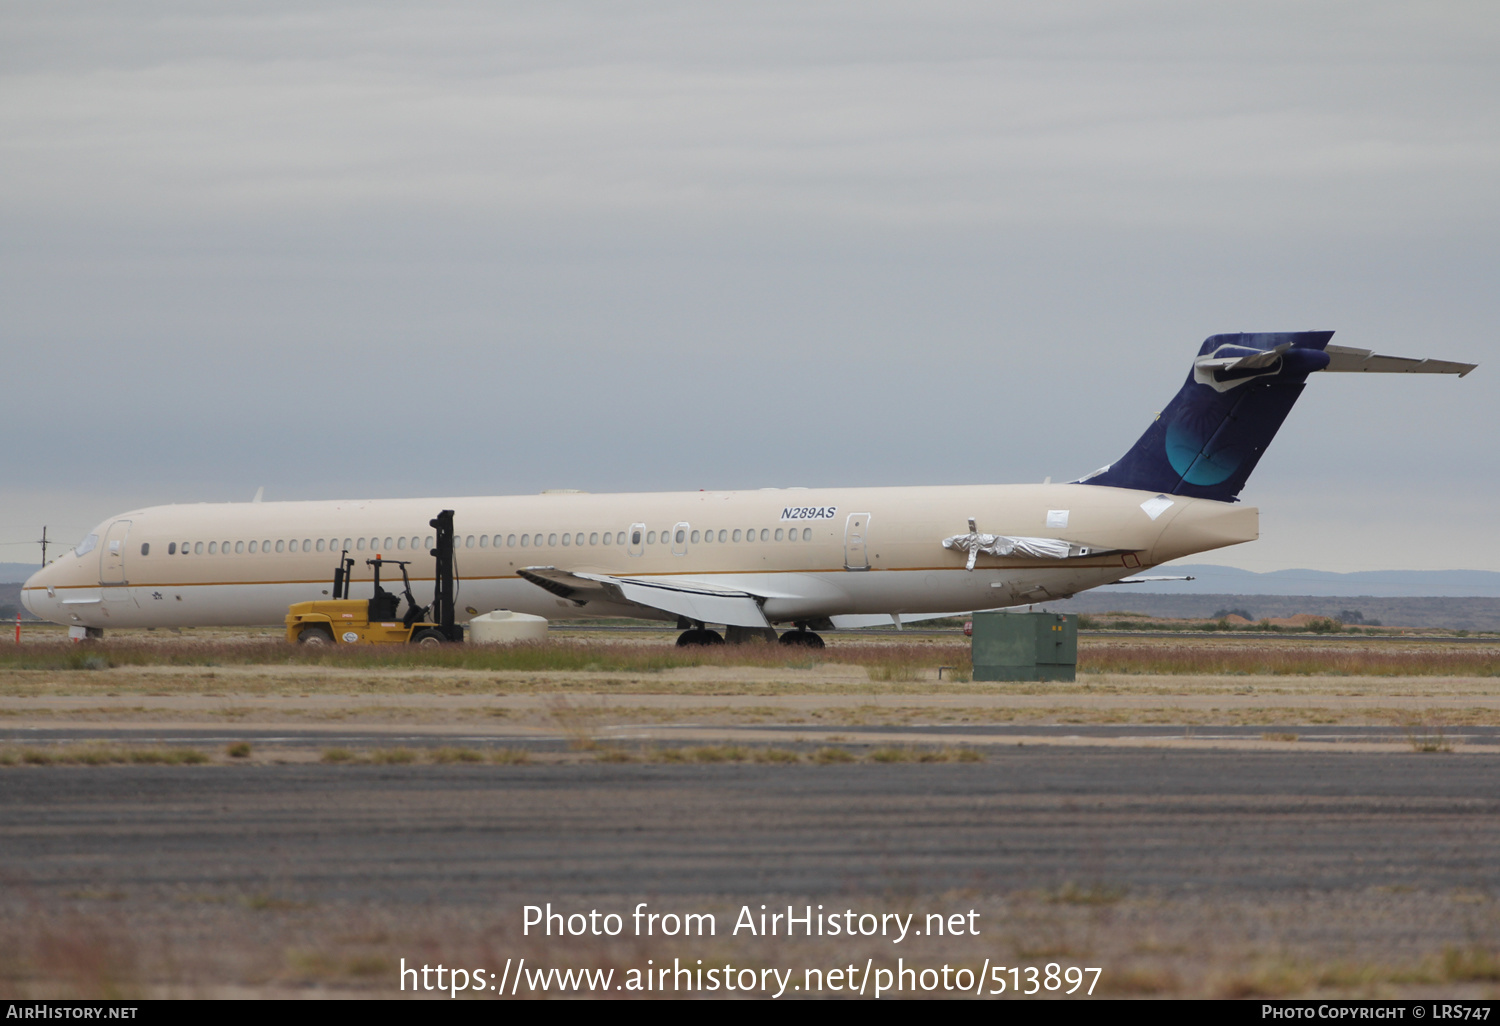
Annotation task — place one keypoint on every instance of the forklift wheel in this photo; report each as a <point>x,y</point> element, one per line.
<point>429,636</point>
<point>315,636</point>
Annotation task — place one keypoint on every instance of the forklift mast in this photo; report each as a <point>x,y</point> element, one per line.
<point>442,593</point>
<point>342,577</point>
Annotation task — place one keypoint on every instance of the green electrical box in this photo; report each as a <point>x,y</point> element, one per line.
<point>1025,646</point>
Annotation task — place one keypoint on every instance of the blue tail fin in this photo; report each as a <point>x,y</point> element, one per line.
<point>1212,434</point>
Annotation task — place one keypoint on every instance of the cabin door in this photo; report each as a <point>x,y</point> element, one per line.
<point>856,530</point>
<point>112,553</point>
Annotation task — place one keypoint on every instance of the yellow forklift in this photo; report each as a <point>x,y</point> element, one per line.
<point>348,621</point>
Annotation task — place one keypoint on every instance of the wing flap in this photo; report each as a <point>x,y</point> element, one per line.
<point>691,599</point>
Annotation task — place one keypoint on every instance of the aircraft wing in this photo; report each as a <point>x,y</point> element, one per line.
<point>693,599</point>
<point>1346,358</point>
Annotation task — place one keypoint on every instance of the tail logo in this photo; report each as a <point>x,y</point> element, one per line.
<point>1191,449</point>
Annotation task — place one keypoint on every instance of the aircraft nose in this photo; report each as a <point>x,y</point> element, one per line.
<point>34,595</point>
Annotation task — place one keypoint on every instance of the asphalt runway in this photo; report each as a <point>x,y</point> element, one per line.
<point>1223,822</point>
<point>782,735</point>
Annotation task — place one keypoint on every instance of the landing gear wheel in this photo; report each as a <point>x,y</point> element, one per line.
<point>802,638</point>
<point>699,637</point>
<point>315,636</point>
<point>428,636</point>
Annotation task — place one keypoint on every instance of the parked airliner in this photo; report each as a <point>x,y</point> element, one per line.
<point>807,559</point>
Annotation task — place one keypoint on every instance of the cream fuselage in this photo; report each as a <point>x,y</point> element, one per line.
<point>153,567</point>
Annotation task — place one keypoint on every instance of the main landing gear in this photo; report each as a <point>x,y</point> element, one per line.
<point>801,637</point>
<point>699,636</point>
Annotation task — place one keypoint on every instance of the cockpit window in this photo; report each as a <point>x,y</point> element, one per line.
<point>87,545</point>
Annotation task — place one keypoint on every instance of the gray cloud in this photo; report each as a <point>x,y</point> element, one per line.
<point>631,246</point>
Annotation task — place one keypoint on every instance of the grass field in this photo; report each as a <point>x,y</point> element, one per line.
<point>883,660</point>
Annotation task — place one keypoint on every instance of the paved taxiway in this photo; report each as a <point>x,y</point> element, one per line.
<point>1026,818</point>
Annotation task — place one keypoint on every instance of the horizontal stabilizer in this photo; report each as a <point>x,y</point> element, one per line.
<point>1346,358</point>
<point>1150,580</point>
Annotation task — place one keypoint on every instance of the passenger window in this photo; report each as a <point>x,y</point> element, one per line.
<point>778,534</point>
<point>306,544</point>
<point>695,537</point>
<point>594,538</point>
<point>171,548</point>
<point>510,541</point>
<point>390,541</point>
<point>361,545</point>
<point>291,546</point>
<point>252,547</point>
<point>723,536</point>
<point>427,546</point>
<point>736,534</point>
<point>765,534</point>
<point>635,537</point>
<point>578,540</point>
<point>525,540</point>
<point>197,548</point>
<point>145,548</point>
<point>681,536</point>
<point>537,540</point>
<point>567,539</point>
<point>239,548</point>
<point>211,547</point>
<point>807,534</point>
<point>607,536</point>
<point>651,538</point>
<point>321,543</point>
<point>551,539</point>
<point>280,544</point>
<point>498,540</point>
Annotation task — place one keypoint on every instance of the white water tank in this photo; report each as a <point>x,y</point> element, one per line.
<point>503,627</point>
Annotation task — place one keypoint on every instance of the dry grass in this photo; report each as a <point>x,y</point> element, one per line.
<point>896,661</point>
<point>909,754</point>
<point>1295,660</point>
<point>100,755</point>
<point>446,755</point>
<point>1424,736</point>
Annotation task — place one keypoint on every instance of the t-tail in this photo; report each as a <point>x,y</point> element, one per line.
<point>1240,390</point>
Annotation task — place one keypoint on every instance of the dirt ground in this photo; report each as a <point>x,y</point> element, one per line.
<point>1348,851</point>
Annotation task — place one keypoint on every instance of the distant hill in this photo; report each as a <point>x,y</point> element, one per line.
<point>1228,580</point>
<point>10,604</point>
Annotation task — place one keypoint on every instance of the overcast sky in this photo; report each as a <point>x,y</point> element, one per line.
<point>448,249</point>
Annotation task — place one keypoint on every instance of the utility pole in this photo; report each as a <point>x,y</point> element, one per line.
<point>44,545</point>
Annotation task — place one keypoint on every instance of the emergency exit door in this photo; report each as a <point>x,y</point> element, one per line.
<point>856,531</point>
